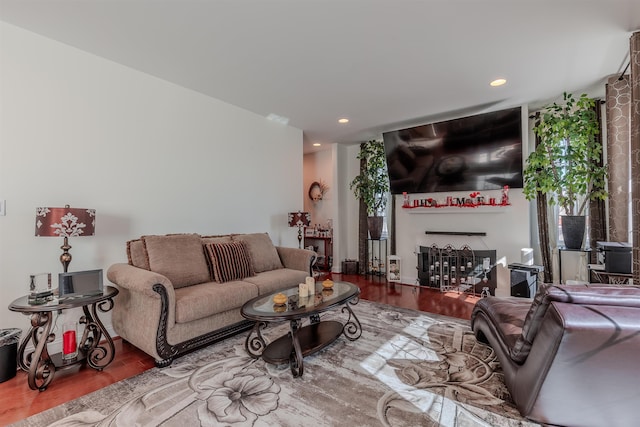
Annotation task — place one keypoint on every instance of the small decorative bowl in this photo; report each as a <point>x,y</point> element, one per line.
<point>327,284</point>
<point>280,299</point>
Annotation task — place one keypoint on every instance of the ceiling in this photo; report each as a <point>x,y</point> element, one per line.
<point>384,64</point>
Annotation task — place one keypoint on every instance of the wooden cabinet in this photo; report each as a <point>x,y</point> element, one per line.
<point>323,246</point>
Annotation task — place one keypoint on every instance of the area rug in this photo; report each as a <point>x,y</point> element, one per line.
<point>408,368</point>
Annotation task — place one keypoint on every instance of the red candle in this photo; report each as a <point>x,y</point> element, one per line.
<point>69,342</point>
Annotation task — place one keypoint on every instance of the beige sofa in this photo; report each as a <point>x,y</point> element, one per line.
<point>184,291</point>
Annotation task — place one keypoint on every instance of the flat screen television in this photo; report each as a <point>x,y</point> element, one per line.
<point>476,153</point>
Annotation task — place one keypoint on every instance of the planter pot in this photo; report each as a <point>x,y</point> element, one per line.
<point>375,227</point>
<point>573,230</point>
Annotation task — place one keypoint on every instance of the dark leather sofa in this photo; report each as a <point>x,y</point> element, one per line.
<point>571,357</point>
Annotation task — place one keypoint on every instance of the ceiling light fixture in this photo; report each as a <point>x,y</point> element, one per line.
<point>498,82</point>
<point>316,144</point>
<point>343,120</point>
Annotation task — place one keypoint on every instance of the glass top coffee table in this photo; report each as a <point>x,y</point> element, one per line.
<point>301,340</point>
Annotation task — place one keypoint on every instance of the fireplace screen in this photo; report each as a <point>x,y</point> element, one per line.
<point>457,270</point>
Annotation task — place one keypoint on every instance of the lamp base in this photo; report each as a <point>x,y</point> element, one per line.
<point>65,258</point>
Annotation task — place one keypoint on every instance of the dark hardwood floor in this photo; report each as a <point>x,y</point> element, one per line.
<point>19,401</point>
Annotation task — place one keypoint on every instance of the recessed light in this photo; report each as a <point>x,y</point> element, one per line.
<point>498,82</point>
<point>316,144</point>
<point>343,120</point>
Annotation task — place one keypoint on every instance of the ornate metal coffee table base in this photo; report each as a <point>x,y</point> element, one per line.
<point>301,340</point>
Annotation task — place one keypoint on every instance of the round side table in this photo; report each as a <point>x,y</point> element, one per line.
<point>40,365</point>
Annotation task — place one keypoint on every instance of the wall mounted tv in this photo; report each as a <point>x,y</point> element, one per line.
<point>476,153</point>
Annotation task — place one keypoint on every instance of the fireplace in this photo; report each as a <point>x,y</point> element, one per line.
<point>463,270</point>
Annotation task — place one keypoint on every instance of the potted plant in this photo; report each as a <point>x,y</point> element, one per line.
<point>372,184</point>
<point>566,163</point>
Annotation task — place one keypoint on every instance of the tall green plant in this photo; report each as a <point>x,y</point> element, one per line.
<point>565,164</point>
<point>372,184</point>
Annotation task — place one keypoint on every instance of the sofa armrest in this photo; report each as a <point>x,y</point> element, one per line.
<point>144,309</point>
<point>588,352</point>
<point>136,279</point>
<point>596,294</point>
<point>296,259</point>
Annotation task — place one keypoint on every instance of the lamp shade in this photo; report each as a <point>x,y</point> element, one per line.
<point>299,219</point>
<point>65,222</point>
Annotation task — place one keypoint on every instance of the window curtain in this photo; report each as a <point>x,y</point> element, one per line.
<point>618,107</point>
<point>635,153</point>
<point>363,229</point>
<point>597,211</point>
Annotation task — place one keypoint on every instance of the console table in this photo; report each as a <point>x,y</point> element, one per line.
<point>40,365</point>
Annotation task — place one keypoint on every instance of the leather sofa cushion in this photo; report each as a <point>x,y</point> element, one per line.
<point>507,315</point>
<point>179,257</point>
<point>263,253</point>
<point>532,321</point>
<point>207,299</point>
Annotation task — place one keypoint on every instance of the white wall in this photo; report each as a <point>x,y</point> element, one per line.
<point>349,166</point>
<point>151,158</point>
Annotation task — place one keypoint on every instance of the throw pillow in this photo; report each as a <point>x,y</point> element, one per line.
<point>179,257</point>
<point>229,261</point>
<point>136,254</point>
<point>264,255</point>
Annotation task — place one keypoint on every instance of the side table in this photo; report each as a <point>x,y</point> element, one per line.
<point>377,264</point>
<point>581,264</point>
<point>40,365</point>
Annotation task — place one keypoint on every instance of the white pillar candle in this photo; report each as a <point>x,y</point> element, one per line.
<point>303,290</point>
<point>311,285</point>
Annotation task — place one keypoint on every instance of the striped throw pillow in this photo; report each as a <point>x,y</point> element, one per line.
<point>229,261</point>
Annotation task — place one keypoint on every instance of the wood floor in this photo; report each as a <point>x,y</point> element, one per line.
<point>19,401</point>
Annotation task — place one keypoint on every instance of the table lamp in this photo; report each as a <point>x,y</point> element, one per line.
<point>299,219</point>
<point>65,222</point>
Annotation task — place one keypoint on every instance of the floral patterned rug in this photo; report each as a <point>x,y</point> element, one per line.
<point>408,368</point>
